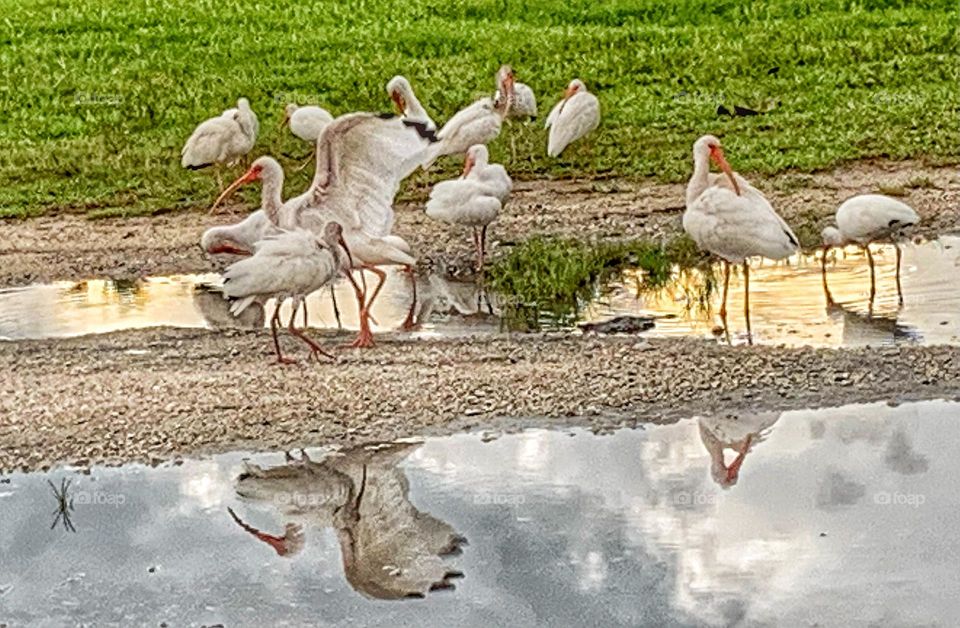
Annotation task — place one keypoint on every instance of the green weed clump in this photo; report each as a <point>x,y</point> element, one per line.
<point>546,281</point>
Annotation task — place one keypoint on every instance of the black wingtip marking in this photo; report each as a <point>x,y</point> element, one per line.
<point>386,116</point>
<point>422,130</point>
<point>196,167</point>
<point>792,239</point>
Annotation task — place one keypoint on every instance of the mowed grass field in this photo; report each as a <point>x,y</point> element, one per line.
<point>98,96</point>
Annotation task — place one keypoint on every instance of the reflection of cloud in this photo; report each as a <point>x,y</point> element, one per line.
<point>208,487</point>
<point>901,458</point>
<point>838,490</point>
<point>534,451</point>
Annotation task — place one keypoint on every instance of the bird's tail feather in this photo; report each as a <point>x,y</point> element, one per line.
<point>240,305</point>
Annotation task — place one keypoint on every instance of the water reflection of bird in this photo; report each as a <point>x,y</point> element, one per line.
<point>460,297</point>
<point>208,301</point>
<point>739,432</point>
<point>390,549</point>
<point>870,218</point>
<point>866,328</point>
<point>870,329</point>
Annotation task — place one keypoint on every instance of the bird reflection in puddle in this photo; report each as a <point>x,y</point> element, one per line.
<point>741,433</point>
<point>390,549</point>
<point>869,328</point>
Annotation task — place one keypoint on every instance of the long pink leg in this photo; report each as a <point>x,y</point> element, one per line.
<point>274,324</point>
<point>365,337</point>
<point>409,324</point>
<point>746,299</point>
<point>315,349</point>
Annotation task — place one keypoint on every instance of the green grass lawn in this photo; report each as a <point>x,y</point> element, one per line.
<point>98,96</point>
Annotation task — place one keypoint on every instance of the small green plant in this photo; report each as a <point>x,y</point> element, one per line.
<point>546,281</point>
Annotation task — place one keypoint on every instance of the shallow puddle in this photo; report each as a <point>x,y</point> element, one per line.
<point>844,516</point>
<point>788,303</point>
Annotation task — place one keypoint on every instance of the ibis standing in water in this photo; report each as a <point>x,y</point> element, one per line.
<point>572,118</point>
<point>222,140</point>
<point>473,200</point>
<point>728,217</point>
<point>869,218</point>
<point>289,264</point>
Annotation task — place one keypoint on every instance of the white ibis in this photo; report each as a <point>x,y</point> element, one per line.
<point>576,115</point>
<point>728,217</point>
<point>473,200</point>
<point>361,160</point>
<point>307,122</point>
<point>524,102</point>
<point>407,103</point>
<point>240,238</point>
<point>222,140</point>
<point>290,264</point>
<point>870,218</point>
<point>237,239</point>
<point>479,123</point>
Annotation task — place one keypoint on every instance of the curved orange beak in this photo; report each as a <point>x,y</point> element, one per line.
<point>398,101</point>
<point>468,165</point>
<point>343,244</point>
<point>716,154</point>
<point>250,175</point>
<point>570,91</point>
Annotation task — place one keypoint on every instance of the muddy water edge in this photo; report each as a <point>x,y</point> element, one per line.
<point>157,393</point>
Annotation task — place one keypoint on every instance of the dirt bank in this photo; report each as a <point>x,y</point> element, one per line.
<point>72,247</point>
<point>150,395</point>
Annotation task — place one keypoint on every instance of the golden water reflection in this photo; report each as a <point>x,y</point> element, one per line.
<point>788,303</point>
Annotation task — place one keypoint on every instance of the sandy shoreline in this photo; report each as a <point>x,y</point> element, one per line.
<point>151,395</point>
<point>73,248</point>
<point>155,394</point>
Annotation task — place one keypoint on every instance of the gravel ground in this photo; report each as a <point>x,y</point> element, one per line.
<point>153,395</point>
<point>72,247</point>
<point>156,394</point>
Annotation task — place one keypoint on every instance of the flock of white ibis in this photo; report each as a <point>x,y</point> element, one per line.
<point>344,220</point>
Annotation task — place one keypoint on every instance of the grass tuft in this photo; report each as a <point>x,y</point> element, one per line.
<point>546,281</point>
